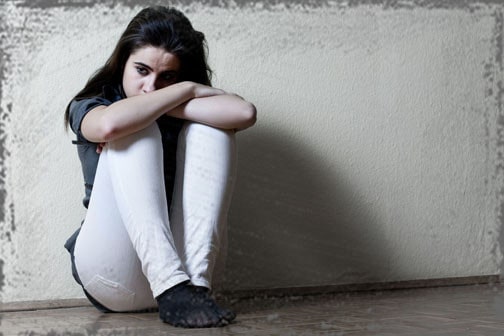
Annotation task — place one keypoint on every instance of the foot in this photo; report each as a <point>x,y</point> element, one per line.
<point>188,306</point>
<point>223,312</point>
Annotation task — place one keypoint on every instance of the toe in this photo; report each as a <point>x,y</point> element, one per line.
<point>227,314</point>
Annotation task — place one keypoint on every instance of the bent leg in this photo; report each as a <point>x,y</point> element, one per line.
<point>202,194</point>
<point>127,221</point>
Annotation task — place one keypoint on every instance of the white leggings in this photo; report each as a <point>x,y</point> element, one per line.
<point>130,248</point>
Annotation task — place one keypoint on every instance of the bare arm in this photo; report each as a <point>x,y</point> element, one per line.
<point>186,100</point>
<point>226,111</point>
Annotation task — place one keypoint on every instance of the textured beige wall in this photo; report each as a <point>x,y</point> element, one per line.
<point>377,155</point>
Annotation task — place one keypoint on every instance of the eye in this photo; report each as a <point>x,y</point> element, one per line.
<point>141,70</point>
<point>169,77</point>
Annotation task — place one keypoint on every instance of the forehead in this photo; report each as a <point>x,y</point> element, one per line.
<point>156,58</point>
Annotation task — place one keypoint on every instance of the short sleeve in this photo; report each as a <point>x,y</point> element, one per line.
<point>79,108</point>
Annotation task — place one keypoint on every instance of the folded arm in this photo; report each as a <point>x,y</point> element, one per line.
<point>185,100</point>
<point>226,111</point>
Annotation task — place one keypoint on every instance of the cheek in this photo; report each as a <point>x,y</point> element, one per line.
<point>162,85</point>
<point>128,84</point>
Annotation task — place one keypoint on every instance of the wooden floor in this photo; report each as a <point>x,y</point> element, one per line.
<point>460,310</point>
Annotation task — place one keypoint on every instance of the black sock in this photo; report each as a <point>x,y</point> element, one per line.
<point>223,312</point>
<point>185,305</point>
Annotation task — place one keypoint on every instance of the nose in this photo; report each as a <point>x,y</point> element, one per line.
<point>149,85</point>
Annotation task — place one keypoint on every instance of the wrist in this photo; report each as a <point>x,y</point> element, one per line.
<point>188,89</point>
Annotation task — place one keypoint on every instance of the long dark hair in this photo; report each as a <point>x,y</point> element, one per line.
<point>161,27</point>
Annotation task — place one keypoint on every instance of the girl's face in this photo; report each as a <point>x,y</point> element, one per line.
<point>148,69</point>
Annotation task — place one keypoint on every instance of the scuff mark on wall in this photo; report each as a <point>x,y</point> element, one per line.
<point>268,4</point>
<point>3,116</point>
<point>435,4</point>
<point>1,274</point>
<point>12,218</point>
<point>212,3</point>
<point>495,90</point>
<point>3,151</point>
<point>499,94</point>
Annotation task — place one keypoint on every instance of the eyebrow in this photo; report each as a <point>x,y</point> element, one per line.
<point>143,64</point>
<point>150,69</point>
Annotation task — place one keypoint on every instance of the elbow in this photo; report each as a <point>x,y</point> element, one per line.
<point>252,114</point>
<point>249,116</point>
<point>100,132</point>
<point>108,132</point>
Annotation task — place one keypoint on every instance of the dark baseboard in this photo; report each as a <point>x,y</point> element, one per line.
<point>361,287</point>
<point>43,304</point>
<point>280,292</point>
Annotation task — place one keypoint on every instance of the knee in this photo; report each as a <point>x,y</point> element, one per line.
<point>150,136</point>
<point>208,133</point>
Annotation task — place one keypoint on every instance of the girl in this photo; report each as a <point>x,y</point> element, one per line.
<point>157,149</point>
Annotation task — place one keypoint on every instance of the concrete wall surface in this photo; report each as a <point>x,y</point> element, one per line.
<point>377,156</point>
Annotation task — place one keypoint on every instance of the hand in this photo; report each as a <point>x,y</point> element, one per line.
<point>200,91</point>
<point>236,95</point>
<point>99,147</point>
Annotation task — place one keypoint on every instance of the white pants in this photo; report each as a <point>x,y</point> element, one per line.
<point>131,248</point>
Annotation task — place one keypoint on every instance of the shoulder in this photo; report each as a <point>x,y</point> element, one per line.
<point>80,106</point>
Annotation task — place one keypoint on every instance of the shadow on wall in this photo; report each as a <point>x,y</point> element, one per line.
<point>295,223</point>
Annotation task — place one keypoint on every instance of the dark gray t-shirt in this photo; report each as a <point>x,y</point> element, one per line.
<point>170,128</point>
